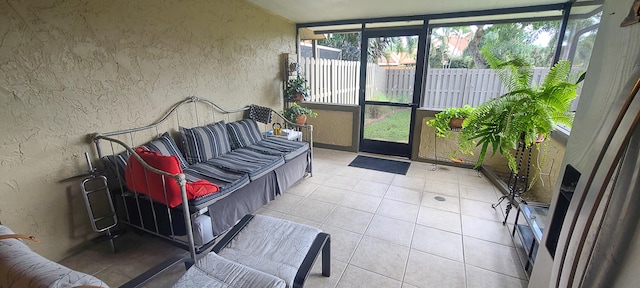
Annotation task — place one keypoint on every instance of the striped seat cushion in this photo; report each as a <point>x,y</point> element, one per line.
<point>248,161</point>
<point>228,181</point>
<point>167,147</point>
<point>278,146</point>
<point>205,142</point>
<point>243,133</point>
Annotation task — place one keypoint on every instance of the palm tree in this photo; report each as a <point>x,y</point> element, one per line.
<point>446,39</point>
<point>440,39</point>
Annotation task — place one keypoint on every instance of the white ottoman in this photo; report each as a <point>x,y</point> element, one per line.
<point>276,247</point>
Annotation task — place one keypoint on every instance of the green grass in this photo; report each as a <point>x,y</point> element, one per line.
<point>394,128</point>
<point>384,98</point>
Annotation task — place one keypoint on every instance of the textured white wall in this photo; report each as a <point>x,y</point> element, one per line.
<point>616,52</point>
<point>69,68</point>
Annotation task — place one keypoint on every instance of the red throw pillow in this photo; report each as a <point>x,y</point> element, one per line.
<point>149,183</point>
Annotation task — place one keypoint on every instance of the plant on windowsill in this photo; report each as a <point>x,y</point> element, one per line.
<point>296,90</point>
<point>448,119</point>
<point>522,114</point>
<point>298,114</point>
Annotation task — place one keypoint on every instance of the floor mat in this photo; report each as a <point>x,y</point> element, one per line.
<point>384,165</point>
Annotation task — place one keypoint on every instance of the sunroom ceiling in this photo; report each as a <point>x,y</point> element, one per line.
<point>306,11</point>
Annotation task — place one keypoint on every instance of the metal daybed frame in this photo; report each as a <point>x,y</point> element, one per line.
<point>189,211</point>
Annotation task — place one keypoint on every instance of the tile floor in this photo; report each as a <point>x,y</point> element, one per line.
<point>387,230</point>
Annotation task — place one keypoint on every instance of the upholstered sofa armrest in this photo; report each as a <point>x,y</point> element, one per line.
<point>25,268</point>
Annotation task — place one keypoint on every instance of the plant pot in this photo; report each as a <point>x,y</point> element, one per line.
<point>299,98</point>
<point>456,123</point>
<point>540,138</point>
<point>301,119</point>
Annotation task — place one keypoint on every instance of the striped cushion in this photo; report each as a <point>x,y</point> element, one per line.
<point>248,161</point>
<point>205,142</point>
<point>278,146</point>
<point>166,146</point>
<point>243,133</point>
<point>228,181</point>
<point>115,165</point>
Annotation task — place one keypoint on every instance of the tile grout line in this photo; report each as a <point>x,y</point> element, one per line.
<point>497,272</point>
<point>464,258</point>
<point>513,241</point>
<point>324,223</point>
<point>521,261</point>
<point>413,233</point>
<point>364,234</point>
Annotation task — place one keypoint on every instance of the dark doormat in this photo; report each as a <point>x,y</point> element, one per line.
<point>384,165</point>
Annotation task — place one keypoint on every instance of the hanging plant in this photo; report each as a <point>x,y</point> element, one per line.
<point>449,118</point>
<point>296,90</point>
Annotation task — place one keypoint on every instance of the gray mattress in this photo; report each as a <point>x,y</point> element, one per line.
<point>227,181</point>
<point>277,146</point>
<point>291,172</point>
<point>247,161</point>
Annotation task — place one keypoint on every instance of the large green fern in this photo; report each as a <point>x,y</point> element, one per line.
<point>521,114</point>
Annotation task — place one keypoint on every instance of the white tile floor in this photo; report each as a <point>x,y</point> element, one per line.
<point>387,230</point>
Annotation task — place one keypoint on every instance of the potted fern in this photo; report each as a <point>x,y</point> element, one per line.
<point>522,114</point>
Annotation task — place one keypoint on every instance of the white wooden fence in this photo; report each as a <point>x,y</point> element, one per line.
<point>457,87</point>
<point>332,81</point>
<point>337,82</point>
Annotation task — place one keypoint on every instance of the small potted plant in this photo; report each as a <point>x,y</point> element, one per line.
<point>298,114</point>
<point>449,118</point>
<point>296,90</point>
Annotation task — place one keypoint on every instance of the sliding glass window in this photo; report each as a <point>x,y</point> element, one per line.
<point>579,38</point>
<point>330,61</point>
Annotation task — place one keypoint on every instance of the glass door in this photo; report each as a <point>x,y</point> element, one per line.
<point>390,93</point>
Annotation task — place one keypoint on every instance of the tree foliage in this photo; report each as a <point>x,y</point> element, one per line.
<point>507,40</point>
<point>349,43</point>
<point>517,40</point>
